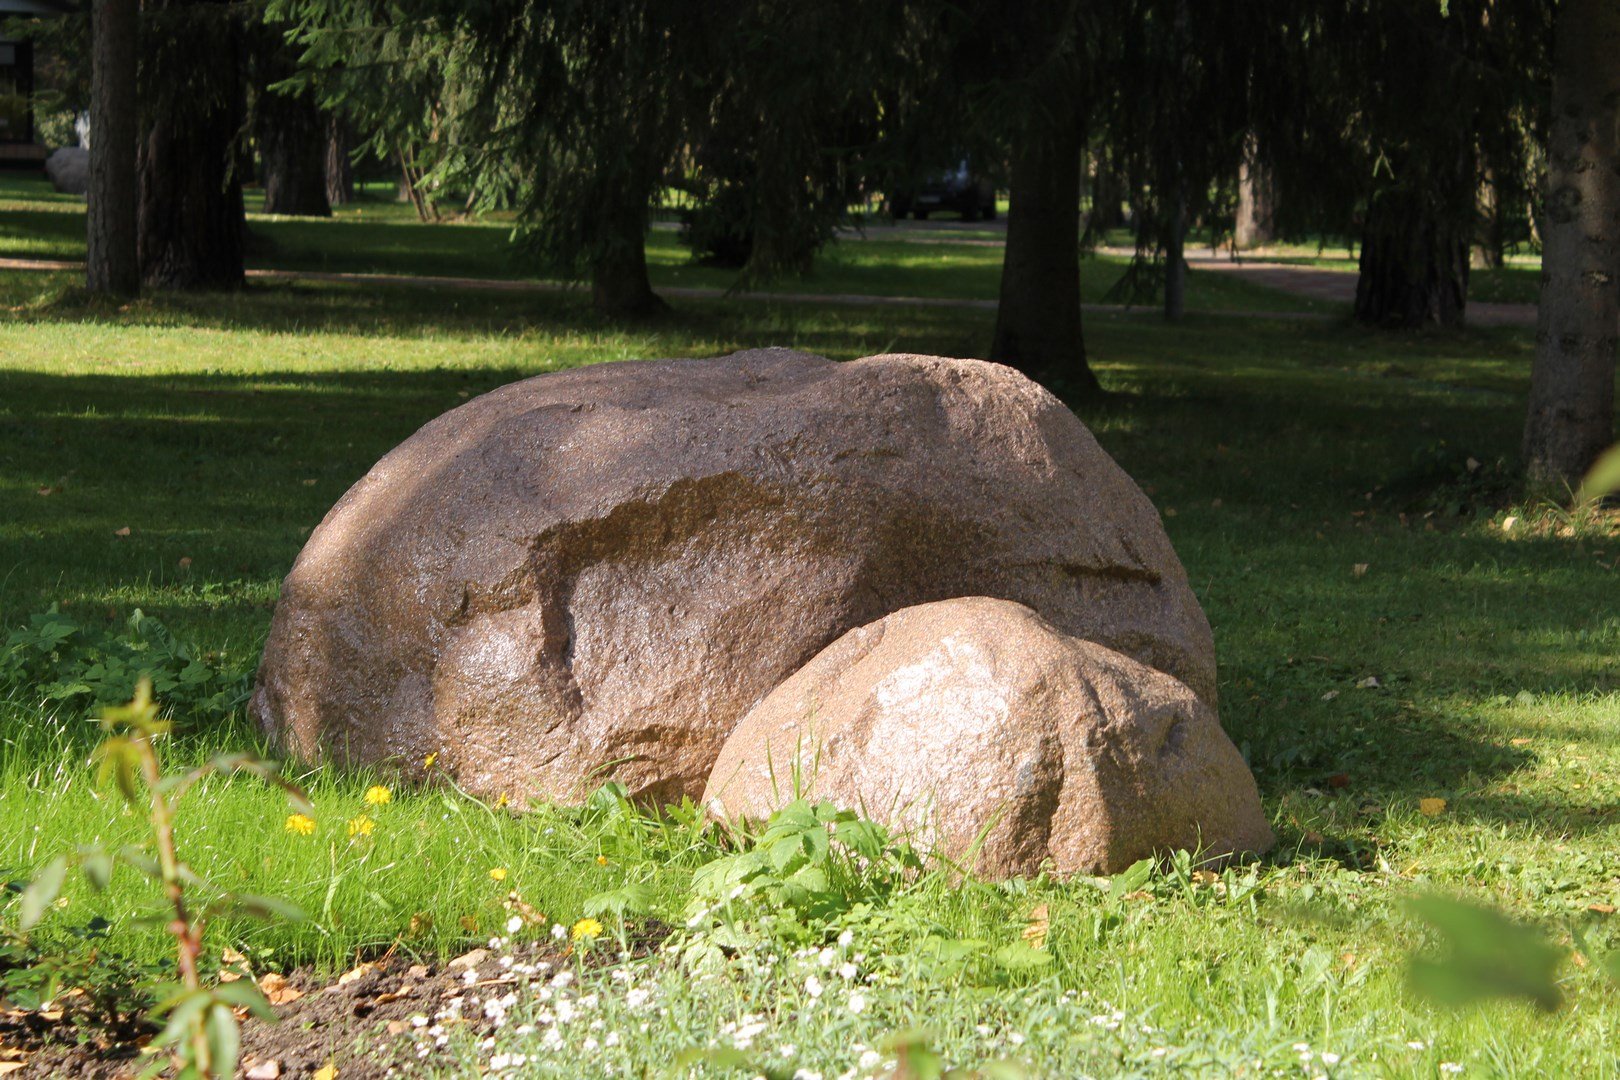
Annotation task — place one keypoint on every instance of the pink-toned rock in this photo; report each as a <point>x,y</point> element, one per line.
<point>976,718</point>
<point>594,574</point>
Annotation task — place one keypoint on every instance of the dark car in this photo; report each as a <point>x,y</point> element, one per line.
<point>956,188</point>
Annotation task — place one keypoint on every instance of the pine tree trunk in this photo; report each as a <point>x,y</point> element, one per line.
<point>1038,319</point>
<point>1253,226</point>
<point>1414,263</point>
<point>1571,415</point>
<point>111,264</point>
<point>192,227</point>
<point>1175,256</point>
<point>293,146</point>
<point>1107,195</point>
<point>339,166</point>
<point>619,283</point>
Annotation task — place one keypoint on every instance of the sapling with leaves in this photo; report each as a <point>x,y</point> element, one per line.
<point>201,1031</point>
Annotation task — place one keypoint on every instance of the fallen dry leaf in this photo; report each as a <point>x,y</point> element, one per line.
<point>1601,909</point>
<point>47,490</point>
<point>185,562</point>
<point>360,971</point>
<point>275,989</point>
<point>1330,695</point>
<point>1205,877</point>
<point>328,1071</point>
<point>1039,923</point>
<point>1369,683</point>
<point>121,532</point>
<point>9,1067</point>
<point>1431,807</point>
<point>1520,742</point>
<point>1360,569</point>
<point>1339,780</point>
<point>264,1070</point>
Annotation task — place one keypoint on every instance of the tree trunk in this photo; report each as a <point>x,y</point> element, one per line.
<point>293,146</point>
<point>1490,233</point>
<point>111,264</point>
<point>1175,256</point>
<point>1414,263</point>
<point>619,283</point>
<point>339,166</point>
<point>1107,195</point>
<point>1038,318</point>
<point>192,228</point>
<point>1254,210</point>
<point>1571,415</point>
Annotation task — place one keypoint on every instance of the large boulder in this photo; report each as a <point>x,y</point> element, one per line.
<point>986,733</point>
<point>594,574</point>
<point>69,170</point>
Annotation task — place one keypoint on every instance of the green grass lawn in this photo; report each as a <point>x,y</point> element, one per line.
<point>1314,477</point>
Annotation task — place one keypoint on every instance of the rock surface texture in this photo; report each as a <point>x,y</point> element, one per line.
<point>69,170</point>
<point>955,717</point>
<point>594,574</point>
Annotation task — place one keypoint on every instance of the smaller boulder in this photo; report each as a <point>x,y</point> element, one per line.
<point>69,170</point>
<point>988,735</point>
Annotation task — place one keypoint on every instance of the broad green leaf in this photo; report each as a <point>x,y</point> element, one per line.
<point>1486,955</point>
<point>41,893</point>
<point>224,1040</point>
<point>1604,477</point>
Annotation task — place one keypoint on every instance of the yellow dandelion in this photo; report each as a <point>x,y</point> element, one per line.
<point>601,860</point>
<point>377,795</point>
<point>498,874</point>
<point>300,824</point>
<point>586,928</point>
<point>427,762</point>
<point>361,826</point>
<point>1431,807</point>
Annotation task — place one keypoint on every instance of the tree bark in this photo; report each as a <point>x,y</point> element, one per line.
<point>1038,319</point>
<point>1571,414</point>
<point>1253,227</point>
<point>293,147</point>
<point>339,166</point>
<point>619,283</point>
<point>1414,263</point>
<point>192,227</point>
<point>1107,195</point>
<point>111,264</point>
<point>1175,255</point>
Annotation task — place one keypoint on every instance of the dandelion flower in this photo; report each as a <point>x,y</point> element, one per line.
<point>498,874</point>
<point>300,824</point>
<point>427,762</point>
<point>361,826</point>
<point>377,795</point>
<point>601,860</point>
<point>586,928</point>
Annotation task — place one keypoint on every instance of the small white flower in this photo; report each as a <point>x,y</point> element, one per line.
<point>846,939</point>
<point>1329,1059</point>
<point>806,1074</point>
<point>812,986</point>
<point>787,1050</point>
<point>612,1039</point>
<point>847,971</point>
<point>1417,1044</point>
<point>1016,1038</point>
<point>1451,1067</point>
<point>857,1003</point>
<point>559,931</point>
<point>870,1060</point>
<point>636,997</point>
<point>590,1044</point>
<point>514,924</point>
<point>827,957</point>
